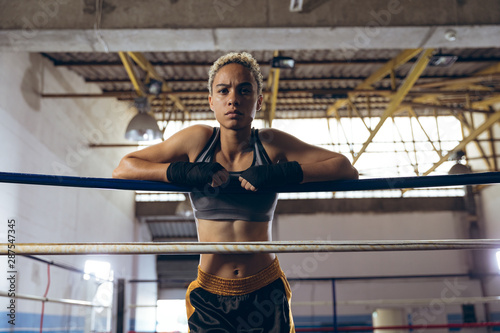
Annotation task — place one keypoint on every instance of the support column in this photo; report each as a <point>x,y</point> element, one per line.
<point>389,317</point>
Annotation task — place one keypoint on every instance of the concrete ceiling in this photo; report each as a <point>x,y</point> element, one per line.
<point>191,25</point>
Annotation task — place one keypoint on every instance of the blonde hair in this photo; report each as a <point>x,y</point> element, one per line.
<point>243,58</point>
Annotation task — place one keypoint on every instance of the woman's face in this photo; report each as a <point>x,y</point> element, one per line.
<point>234,98</point>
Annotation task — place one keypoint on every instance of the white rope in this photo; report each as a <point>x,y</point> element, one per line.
<point>411,301</point>
<point>249,247</point>
<point>52,300</point>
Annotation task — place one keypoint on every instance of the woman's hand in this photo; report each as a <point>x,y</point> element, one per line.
<point>272,175</point>
<point>197,174</point>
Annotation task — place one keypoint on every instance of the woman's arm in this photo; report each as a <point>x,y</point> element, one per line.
<point>151,163</point>
<point>317,164</point>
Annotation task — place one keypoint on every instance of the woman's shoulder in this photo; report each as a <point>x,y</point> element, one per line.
<point>274,137</point>
<point>194,138</point>
<point>275,142</point>
<point>196,132</point>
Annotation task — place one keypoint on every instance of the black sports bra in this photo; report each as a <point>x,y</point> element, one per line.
<point>210,204</point>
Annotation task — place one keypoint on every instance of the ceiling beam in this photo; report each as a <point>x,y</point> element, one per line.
<point>490,121</point>
<point>396,100</point>
<point>272,97</point>
<point>486,103</point>
<point>378,75</point>
<point>465,124</point>
<point>141,60</point>
<point>283,92</point>
<point>433,97</point>
<point>308,80</point>
<point>493,159</point>
<point>347,40</point>
<point>459,81</point>
<point>129,68</point>
<point>353,62</point>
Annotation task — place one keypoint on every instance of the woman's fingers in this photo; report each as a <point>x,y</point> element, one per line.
<point>220,178</point>
<point>246,185</point>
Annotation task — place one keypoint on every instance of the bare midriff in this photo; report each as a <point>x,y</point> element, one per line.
<point>234,266</point>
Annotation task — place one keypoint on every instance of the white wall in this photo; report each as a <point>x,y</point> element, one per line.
<point>377,226</point>
<point>490,211</point>
<point>51,136</point>
<point>390,226</point>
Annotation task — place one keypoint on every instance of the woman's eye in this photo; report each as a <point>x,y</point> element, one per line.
<point>223,91</point>
<point>245,91</point>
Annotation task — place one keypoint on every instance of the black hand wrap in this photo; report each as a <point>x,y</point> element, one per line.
<point>268,176</point>
<point>192,174</point>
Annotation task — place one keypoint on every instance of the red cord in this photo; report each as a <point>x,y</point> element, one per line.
<point>45,295</point>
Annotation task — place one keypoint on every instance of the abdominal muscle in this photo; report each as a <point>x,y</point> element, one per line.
<point>234,266</point>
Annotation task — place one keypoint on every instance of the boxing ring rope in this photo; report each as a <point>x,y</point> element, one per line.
<point>52,300</point>
<point>372,328</point>
<point>401,327</point>
<point>328,186</point>
<point>378,302</point>
<point>248,247</point>
<point>408,301</point>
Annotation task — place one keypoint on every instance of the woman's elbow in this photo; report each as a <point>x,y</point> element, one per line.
<point>116,172</point>
<point>350,171</point>
<point>120,170</point>
<point>355,173</point>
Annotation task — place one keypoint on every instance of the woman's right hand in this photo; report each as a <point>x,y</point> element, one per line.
<point>197,173</point>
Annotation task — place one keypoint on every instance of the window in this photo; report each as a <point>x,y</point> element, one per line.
<point>171,316</point>
<point>401,148</point>
<point>498,259</point>
<point>101,270</point>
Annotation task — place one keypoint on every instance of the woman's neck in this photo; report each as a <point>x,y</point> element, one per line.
<point>235,143</point>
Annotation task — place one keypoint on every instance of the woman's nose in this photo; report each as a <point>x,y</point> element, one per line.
<point>233,99</point>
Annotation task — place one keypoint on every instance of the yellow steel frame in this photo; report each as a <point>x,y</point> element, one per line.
<point>458,82</point>
<point>490,121</point>
<point>274,95</point>
<point>494,162</point>
<point>465,124</point>
<point>382,72</point>
<point>485,103</point>
<point>131,74</point>
<point>396,100</point>
<point>144,63</point>
<point>271,100</point>
<point>468,84</point>
<point>414,114</point>
<point>461,84</point>
<point>415,166</point>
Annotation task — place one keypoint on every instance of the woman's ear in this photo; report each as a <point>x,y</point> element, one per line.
<point>210,102</point>
<point>260,99</point>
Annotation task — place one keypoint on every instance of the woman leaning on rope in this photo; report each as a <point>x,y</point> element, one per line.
<point>247,292</point>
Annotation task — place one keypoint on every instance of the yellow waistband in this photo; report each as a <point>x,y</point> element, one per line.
<point>233,287</point>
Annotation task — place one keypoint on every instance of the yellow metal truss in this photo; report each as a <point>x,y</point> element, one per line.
<point>397,98</point>
<point>144,63</point>
<point>490,121</point>
<point>378,75</point>
<point>273,81</point>
<point>129,67</point>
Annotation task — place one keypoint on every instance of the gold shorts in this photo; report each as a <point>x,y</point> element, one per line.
<point>258,303</point>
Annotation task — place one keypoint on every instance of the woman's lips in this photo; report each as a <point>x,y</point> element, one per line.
<point>233,114</point>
